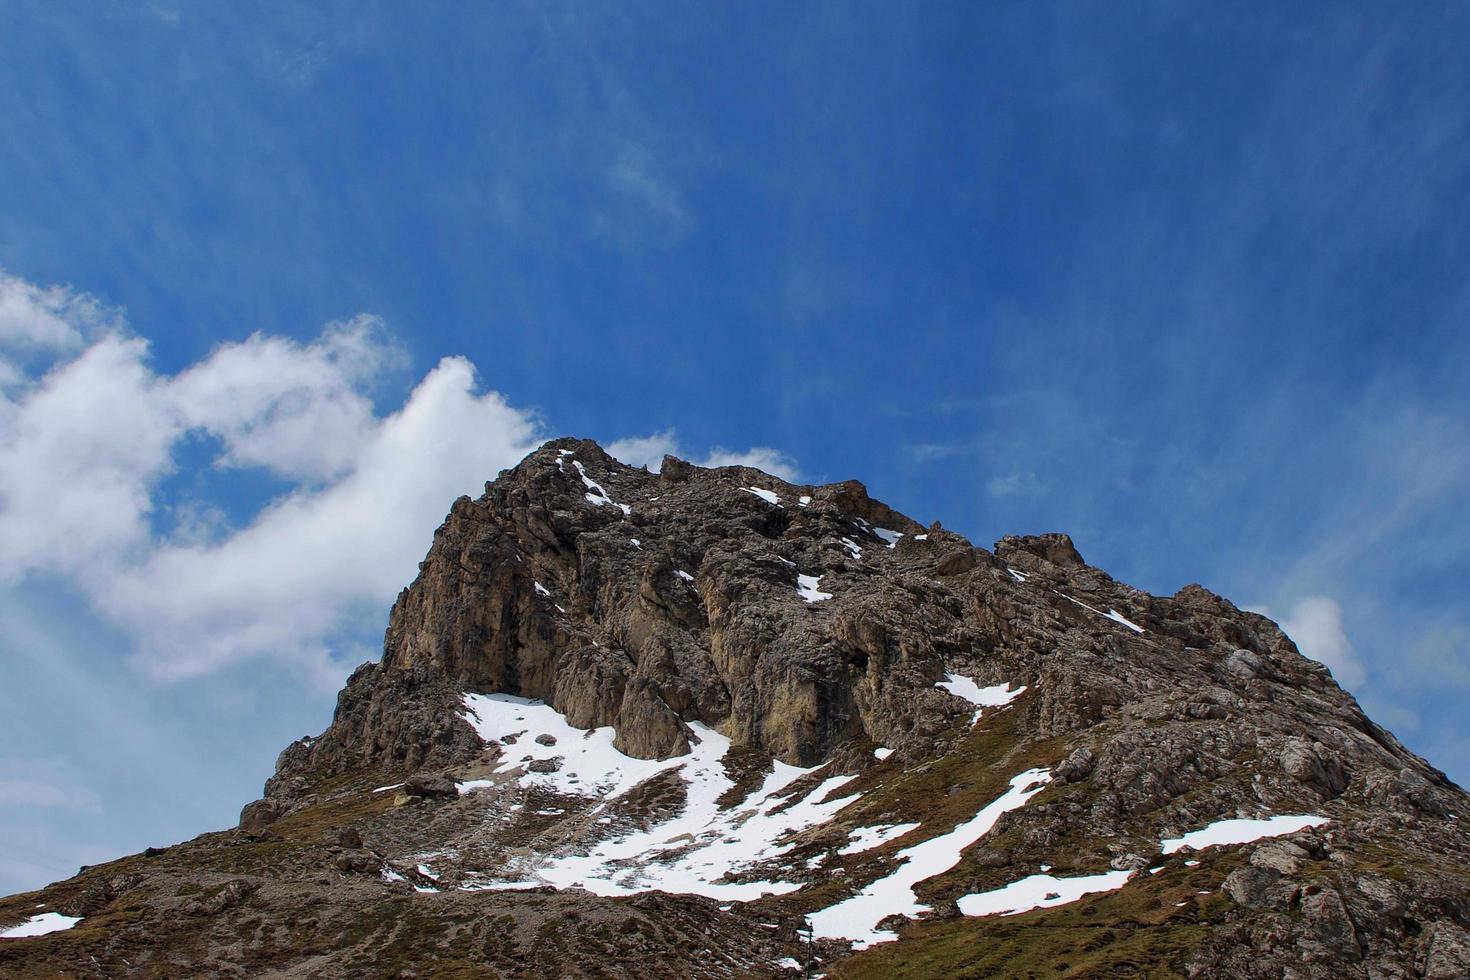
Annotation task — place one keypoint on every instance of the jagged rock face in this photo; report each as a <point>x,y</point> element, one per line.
<point>683,608</point>
<point>814,627</point>
<point>646,602</point>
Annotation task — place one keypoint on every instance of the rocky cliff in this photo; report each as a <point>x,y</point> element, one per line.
<point>624,720</point>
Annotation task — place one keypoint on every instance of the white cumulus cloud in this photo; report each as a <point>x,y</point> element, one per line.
<point>314,555</point>
<point>773,461</point>
<point>80,453</point>
<point>650,451</point>
<point>1315,625</point>
<point>297,410</point>
<point>36,320</point>
<point>86,447</point>
<point>646,451</point>
<point>49,318</point>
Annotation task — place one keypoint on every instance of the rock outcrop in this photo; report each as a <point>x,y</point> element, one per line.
<point>645,602</point>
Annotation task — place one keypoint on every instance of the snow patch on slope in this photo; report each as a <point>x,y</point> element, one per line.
<point>995,696</point>
<point>768,496</point>
<point>41,925</point>
<point>806,587</point>
<point>1112,614</point>
<point>1241,831</point>
<point>590,765</point>
<point>693,852</point>
<point>595,494</point>
<point>889,537</point>
<point>857,918</point>
<point>1040,891</point>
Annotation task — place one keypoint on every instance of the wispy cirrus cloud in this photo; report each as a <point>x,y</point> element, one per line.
<point>1017,483</point>
<point>929,452</point>
<point>636,177</point>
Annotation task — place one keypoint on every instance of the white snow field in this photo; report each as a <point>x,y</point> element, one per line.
<point>40,925</point>
<point>857,918</point>
<point>1040,891</point>
<point>690,853</point>
<point>1046,891</point>
<point>590,765</point>
<point>1241,831</point>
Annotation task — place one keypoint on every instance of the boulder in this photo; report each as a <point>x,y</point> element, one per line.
<point>429,785</point>
<point>1314,765</point>
<point>1330,934</point>
<point>256,816</point>
<point>1283,857</point>
<point>1260,888</point>
<point>1076,767</point>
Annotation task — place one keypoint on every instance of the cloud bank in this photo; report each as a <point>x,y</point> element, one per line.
<point>99,455</point>
<point>86,449</point>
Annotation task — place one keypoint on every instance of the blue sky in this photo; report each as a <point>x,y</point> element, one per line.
<point>1187,282</point>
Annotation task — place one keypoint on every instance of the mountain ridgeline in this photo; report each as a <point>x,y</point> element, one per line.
<point>704,722</point>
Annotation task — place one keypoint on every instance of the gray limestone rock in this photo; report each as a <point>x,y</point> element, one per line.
<point>427,784</point>
<point>1260,888</point>
<point>1446,952</point>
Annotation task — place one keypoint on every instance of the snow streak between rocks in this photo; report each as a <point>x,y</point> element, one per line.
<point>857,918</point>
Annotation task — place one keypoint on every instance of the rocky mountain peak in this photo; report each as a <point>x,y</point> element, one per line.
<point>712,699</point>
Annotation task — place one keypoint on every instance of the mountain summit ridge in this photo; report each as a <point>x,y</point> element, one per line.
<point>617,710</point>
